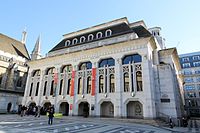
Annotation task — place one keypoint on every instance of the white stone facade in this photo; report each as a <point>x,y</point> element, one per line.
<point>133,89</point>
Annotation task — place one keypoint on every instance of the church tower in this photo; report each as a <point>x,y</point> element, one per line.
<point>36,51</point>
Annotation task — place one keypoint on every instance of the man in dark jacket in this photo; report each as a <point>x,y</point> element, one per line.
<point>51,115</point>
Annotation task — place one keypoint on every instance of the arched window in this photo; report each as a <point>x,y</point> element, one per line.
<point>107,62</point>
<point>99,35</point>
<point>126,82</point>
<point>108,33</point>
<point>90,37</point>
<point>82,39</point>
<point>37,89</point>
<point>67,68</point>
<point>80,85</point>
<point>89,85</point>
<point>45,88</point>
<point>75,41</point>
<point>50,71</point>
<point>61,85</point>
<point>36,73</point>
<point>132,58</point>
<point>85,65</point>
<point>31,89</point>
<point>69,86</point>
<point>52,89</point>
<point>67,43</point>
<point>139,80</point>
<point>101,84</point>
<point>112,83</point>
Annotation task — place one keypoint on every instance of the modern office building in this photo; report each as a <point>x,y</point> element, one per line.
<point>13,72</point>
<point>190,64</point>
<point>115,69</point>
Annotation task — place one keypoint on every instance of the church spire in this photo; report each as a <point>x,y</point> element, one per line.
<point>24,33</point>
<point>36,51</point>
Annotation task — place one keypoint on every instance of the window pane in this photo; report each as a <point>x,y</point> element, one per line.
<point>101,82</point>
<point>127,59</point>
<point>126,82</point>
<point>136,58</point>
<point>88,85</point>
<point>111,62</point>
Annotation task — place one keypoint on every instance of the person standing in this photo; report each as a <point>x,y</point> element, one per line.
<point>51,115</point>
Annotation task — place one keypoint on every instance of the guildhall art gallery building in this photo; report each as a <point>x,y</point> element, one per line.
<point>115,69</point>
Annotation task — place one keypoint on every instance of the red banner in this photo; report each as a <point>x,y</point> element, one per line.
<point>71,106</point>
<point>72,84</point>
<point>93,81</point>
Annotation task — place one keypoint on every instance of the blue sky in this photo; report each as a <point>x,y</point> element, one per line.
<point>179,19</point>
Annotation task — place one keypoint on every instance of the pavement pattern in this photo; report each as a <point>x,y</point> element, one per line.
<point>68,124</point>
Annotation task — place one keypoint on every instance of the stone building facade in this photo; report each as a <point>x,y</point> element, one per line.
<point>13,72</point>
<point>115,69</point>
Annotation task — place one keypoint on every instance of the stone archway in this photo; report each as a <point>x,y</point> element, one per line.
<point>83,109</point>
<point>134,109</point>
<point>45,107</point>
<point>64,108</point>
<point>107,109</point>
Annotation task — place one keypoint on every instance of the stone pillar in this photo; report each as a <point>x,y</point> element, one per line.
<point>118,105</point>
<point>149,110</point>
<point>57,87</point>
<point>27,88</point>
<point>41,87</point>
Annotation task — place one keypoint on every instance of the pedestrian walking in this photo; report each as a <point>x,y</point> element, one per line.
<point>51,115</point>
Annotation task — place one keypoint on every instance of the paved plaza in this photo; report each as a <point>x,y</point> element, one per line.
<point>30,124</point>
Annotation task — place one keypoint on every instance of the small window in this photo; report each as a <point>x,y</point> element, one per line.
<point>126,82</point>
<point>75,41</point>
<point>69,86</point>
<point>101,84</point>
<point>82,39</point>
<point>89,83</point>
<point>186,65</point>
<point>99,35</point>
<point>61,86</point>
<point>108,33</point>
<point>67,43</point>
<point>90,37</point>
<point>196,58</point>
<point>196,64</point>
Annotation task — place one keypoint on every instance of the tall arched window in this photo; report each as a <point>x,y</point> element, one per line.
<point>107,62</point>
<point>36,73</point>
<point>67,43</point>
<point>132,58</point>
<point>80,85</point>
<point>37,89</point>
<point>108,33</point>
<point>31,89</point>
<point>126,82</point>
<point>85,65</point>
<point>61,86</point>
<point>75,41</point>
<point>99,35</point>
<point>139,80</point>
<point>112,83</point>
<point>89,85</point>
<point>82,39</point>
<point>90,37</point>
<point>66,68</point>
<point>52,89</point>
<point>50,71</point>
<point>101,83</point>
<point>69,86</point>
<point>45,88</point>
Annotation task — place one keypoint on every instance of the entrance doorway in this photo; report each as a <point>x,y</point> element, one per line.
<point>83,109</point>
<point>134,109</point>
<point>107,109</point>
<point>9,107</point>
<point>64,108</point>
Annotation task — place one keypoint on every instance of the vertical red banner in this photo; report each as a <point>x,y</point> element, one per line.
<point>71,106</point>
<point>93,81</point>
<point>72,84</point>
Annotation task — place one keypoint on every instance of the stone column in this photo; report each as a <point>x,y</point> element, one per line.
<point>118,105</point>
<point>41,87</point>
<point>27,88</point>
<point>57,87</point>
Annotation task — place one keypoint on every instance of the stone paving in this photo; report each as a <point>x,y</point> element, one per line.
<point>68,124</point>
